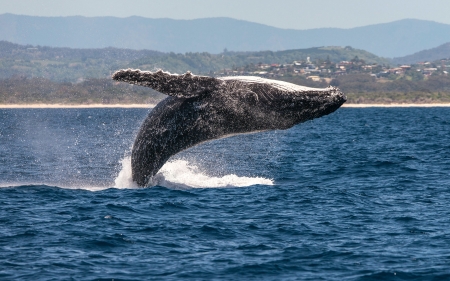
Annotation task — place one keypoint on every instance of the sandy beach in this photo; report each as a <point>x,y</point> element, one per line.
<point>355,105</point>
<point>364,105</point>
<point>38,105</point>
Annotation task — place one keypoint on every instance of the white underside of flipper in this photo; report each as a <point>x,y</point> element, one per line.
<point>280,85</point>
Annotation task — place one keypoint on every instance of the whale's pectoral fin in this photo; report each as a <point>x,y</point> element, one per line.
<point>182,86</point>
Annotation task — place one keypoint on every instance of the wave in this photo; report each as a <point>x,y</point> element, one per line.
<point>84,186</point>
<point>181,174</point>
<point>175,174</point>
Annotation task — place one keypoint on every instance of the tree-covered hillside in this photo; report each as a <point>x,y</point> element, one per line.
<point>21,90</point>
<point>440,52</point>
<point>359,88</point>
<point>75,65</point>
<point>35,74</point>
<point>204,63</point>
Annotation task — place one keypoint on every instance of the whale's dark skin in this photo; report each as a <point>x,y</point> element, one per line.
<point>201,108</point>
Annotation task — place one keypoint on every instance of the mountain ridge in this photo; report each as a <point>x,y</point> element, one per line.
<point>213,35</point>
<point>433,54</point>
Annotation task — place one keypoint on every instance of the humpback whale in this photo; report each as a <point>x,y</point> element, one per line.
<point>202,108</point>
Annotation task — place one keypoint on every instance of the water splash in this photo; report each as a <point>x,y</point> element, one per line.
<point>182,174</point>
<point>124,178</point>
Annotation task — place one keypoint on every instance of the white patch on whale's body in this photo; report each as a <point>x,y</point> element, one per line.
<point>280,85</point>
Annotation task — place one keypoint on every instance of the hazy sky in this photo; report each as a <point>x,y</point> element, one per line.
<point>296,14</point>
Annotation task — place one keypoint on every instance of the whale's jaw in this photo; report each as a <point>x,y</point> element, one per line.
<point>309,105</point>
<point>329,101</point>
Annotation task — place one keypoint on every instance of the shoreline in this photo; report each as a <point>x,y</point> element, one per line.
<point>96,105</point>
<point>365,105</point>
<point>349,105</point>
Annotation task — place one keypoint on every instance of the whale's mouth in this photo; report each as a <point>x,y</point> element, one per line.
<point>339,96</point>
<point>315,104</point>
<point>331,97</point>
<point>335,100</point>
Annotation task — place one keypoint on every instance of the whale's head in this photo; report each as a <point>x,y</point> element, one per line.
<point>314,103</point>
<point>290,103</point>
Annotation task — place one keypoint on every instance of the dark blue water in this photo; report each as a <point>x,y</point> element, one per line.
<point>362,194</point>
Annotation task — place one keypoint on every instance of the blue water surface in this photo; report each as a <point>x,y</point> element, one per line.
<point>361,194</point>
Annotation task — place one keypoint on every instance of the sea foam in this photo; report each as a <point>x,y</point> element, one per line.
<point>182,174</point>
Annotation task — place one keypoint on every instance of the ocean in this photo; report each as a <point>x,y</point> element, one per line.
<point>361,194</point>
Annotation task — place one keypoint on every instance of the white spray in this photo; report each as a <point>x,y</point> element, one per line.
<point>182,174</point>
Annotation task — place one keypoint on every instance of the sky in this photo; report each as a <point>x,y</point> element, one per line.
<point>290,14</point>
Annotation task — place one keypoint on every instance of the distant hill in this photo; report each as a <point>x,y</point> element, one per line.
<point>213,35</point>
<point>29,52</point>
<point>72,65</point>
<point>440,52</point>
<point>205,62</point>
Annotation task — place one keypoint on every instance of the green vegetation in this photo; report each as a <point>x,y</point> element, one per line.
<point>205,63</point>
<point>363,88</point>
<point>30,74</point>
<point>22,90</point>
<point>73,65</point>
<point>64,64</point>
<point>433,54</point>
<point>359,88</point>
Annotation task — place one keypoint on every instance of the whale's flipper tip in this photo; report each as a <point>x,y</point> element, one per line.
<point>182,86</point>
